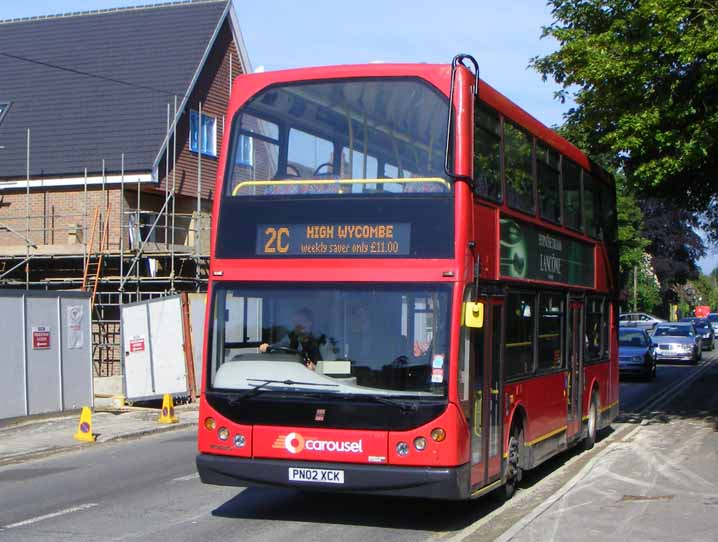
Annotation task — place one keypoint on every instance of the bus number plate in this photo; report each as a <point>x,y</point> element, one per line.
<point>324,476</point>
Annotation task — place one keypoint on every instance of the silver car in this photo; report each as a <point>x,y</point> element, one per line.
<point>640,320</point>
<point>713,319</point>
<point>677,341</point>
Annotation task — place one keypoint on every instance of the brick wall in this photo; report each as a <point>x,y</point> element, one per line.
<point>57,216</point>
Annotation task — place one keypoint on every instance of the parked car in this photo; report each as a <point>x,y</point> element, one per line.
<point>713,319</point>
<point>677,340</point>
<point>639,319</point>
<point>704,329</point>
<point>636,353</point>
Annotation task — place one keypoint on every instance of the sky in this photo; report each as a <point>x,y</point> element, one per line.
<point>502,35</point>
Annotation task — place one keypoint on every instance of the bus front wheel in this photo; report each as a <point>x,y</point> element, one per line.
<point>513,464</point>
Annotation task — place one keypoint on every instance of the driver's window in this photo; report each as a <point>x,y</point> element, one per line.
<point>243,324</point>
<point>310,156</point>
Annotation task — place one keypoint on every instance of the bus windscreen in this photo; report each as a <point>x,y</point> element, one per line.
<point>390,340</point>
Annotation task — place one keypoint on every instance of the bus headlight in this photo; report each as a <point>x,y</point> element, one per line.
<point>223,433</point>
<point>420,443</point>
<point>239,441</point>
<point>402,448</point>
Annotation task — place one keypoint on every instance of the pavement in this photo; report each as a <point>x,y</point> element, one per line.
<point>658,480</point>
<point>35,437</point>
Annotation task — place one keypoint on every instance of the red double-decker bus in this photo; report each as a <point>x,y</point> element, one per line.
<point>412,287</point>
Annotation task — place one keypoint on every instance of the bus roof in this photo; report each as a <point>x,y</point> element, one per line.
<point>438,75</point>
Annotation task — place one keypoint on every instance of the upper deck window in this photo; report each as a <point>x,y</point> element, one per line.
<point>571,195</point>
<point>590,206</point>
<point>487,153</point>
<point>549,180</point>
<point>340,137</point>
<point>518,168</point>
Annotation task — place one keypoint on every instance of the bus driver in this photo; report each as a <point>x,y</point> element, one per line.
<point>300,338</point>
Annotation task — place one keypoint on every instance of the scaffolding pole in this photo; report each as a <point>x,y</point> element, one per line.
<point>27,213</point>
<point>198,228</point>
<point>174,187</point>
<point>167,171</point>
<point>85,256</point>
<point>122,213</point>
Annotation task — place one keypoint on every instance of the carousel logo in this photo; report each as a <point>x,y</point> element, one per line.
<point>294,443</point>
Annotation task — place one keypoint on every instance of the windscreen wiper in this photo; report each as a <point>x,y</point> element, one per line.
<point>404,406</point>
<point>263,387</point>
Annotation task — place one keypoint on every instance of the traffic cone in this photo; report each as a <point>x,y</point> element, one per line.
<point>84,428</point>
<point>168,410</point>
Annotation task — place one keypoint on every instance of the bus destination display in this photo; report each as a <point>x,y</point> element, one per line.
<point>332,240</point>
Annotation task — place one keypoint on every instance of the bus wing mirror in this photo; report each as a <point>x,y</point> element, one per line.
<point>473,314</point>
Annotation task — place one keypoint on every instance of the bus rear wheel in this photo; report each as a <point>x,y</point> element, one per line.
<point>514,472</point>
<point>590,438</point>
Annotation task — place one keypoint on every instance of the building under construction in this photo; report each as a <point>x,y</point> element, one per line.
<point>108,152</point>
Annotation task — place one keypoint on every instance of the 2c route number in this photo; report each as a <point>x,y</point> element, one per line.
<point>277,240</point>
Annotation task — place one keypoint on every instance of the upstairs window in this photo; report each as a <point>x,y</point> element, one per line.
<point>571,195</point>
<point>549,180</point>
<point>590,206</point>
<point>518,168</point>
<point>487,154</point>
<point>208,136</point>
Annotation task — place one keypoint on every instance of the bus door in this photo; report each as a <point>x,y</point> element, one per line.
<point>574,356</point>
<point>486,419</point>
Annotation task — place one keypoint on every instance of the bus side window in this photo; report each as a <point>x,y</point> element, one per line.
<point>518,168</point>
<point>571,195</point>
<point>487,153</point>
<point>549,180</point>
<point>519,334</point>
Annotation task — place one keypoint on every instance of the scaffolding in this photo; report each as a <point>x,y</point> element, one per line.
<point>126,245</point>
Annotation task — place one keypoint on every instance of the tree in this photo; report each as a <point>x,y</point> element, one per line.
<point>644,76</point>
<point>706,287</point>
<point>674,244</point>
<point>648,291</point>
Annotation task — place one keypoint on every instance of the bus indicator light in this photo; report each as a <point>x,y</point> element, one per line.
<point>438,434</point>
<point>210,424</point>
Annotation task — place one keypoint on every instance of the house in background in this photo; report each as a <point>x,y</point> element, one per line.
<point>110,126</point>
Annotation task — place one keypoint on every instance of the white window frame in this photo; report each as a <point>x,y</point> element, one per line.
<point>194,118</point>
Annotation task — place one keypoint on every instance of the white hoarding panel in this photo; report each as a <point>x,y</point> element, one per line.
<point>153,349</point>
<point>196,317</point>
<point>136,350</point>
<point>167,342</point>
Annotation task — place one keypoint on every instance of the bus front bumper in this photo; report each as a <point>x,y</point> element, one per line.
<point>450,483</point>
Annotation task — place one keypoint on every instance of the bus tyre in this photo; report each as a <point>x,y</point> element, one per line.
<point>513,464</point>
<point>590,438</point>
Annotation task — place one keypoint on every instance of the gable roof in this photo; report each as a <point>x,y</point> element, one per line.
<point>93,85</point>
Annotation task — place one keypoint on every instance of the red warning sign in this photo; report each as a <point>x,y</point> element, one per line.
<point>41,338</point>
<point>137,344</point>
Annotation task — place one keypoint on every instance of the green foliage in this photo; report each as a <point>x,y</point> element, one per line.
<point>648,298</point>
<point>707,288</point>
<point>644,77</point>
<point>631,242</point>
